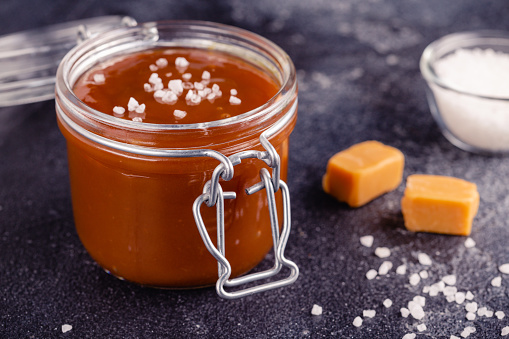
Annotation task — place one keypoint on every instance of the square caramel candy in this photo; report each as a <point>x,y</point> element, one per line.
<point>439,204</point>
<point>363,172</point>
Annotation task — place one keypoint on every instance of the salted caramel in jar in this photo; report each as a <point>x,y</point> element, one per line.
<point>175,130</point>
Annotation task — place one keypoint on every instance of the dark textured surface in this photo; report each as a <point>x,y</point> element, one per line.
<point>359,79</point>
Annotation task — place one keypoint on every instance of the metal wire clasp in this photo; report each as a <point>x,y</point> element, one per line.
<point>213,195</point>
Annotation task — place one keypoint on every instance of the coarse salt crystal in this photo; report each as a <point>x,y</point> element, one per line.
<point>496,282</point>
<point>401,270</point>
<point>153,67</point>
<point>211,97</point>
<point>158,86</point>
<point>449,279</point>
<point>424,259</point>
<point>205,75</point>
<point>426,289</point>
<point>155,79</point>
<point>423,274</point>
<point>421,327</point>
<point>504,268</point>
<point>147,87</point>
<point>371,274</point>
<point>357,322</point>
<point>450,290</point>
<point>179,114</point>
<point>159,94</point>
<point>416,310</point>
<point>186,76</point>
<point>388,303</point>
<point>433,290</point>
<point>233,91</point>
<point>66,328</point>
<point>384,268</point>
<point>470,316</point>
<point>169,97</point>
<point>366,240</point>
<point>459,297</point>
<point>140,108</point>
<point>505,331</point>
<point>176,86</point>
<point>469,296</point>
<point>137,119</point>
<point>414,279</point>
<point>469,243</point>
<point>420,300</point>
<point>409,336</point>
<point>316,310</point>
<point>169,74</point>
<point>99,79</point>
<point>467,331</point>
<point>198,85</point>
<point>132,104</point>
<point>482,311</point>
<point>368,313</point>
<point>181,62</point>
<point>382,252</point>
<point>161,62</point>
<point>500,314</point>
<point>471,307</point>
<point>405,312</point>
<point>118,110</point>
<point>450,298</point>
<point>488,314</point>
<point>234,100</point>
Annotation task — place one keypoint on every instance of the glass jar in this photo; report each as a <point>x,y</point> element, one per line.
<point>134,184</point>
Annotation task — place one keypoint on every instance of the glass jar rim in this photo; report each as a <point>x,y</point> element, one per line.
<point>149,31</point>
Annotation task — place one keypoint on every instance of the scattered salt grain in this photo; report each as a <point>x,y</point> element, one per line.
<point>505,331</point>
<point>388,303</point>
<point>450,298</point>
<point>140,108</point>
<point>382,252</point>
<point>169,74</point>
<point>469,296</point>
<point>186,76</point>
<point>450,290</point>
<point>99,79</point>
<point>233,91</point>
<point>426,289</point>
<point>66,328</point>
<point>205,75</point>
<point>496,282</point>
<point>424,274</point>
<point>137,119</point>
<point>470,316</point>
<point>385,268</point>
<point>179,114</point>
<point>415,310</point>
<point>368,313</point>
<point>500,315</point>
<point>482,311</point>
<point>161,62</point>
<point>421,327</point>
<point>405,312</point>
<point>401,270</point>
<point>488,314</point>
<point>454,337</point>
<point>199,85</point>
<point>181,62</point>
<point>409,336</point>
<point>424,259</point>
<point>420,300</point>
<point>504,268</point>
<point>459,297</point>
<point>118,110</point>
<point>469,243</point>
<point>467,331</point>
<point>153,67</point>
<point>169,97</point>
<point>147,87</point>
<point>471,307</point>
<point>433,290</point>
<point>414,279</point>
<point>132,104</point>
<point>449,279</point>
<point>316,310</point>
<point>176,86</point>
<point>366,240</point>
<point>234,100</point>
<point>357,322</point>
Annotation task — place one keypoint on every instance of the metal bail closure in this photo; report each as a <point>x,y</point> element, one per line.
<point>279,241</point>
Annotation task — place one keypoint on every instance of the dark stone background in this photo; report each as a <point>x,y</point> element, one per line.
<point>359,80</point>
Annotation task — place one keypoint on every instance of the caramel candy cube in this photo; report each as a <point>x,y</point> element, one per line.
<point>439,204</point>
<point>363,172</point>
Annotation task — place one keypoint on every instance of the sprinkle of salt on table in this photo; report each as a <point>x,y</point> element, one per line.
<point>385,267</point>
<point>405,312</point>
<point>367,240</point>
<point>469,243</point>
<point>504,268</point>
<point>500,315</point>
<point>179,114</point>
<point>99,79</point>
<point>505,331</point>
<point>118,110</point>
<point>424,259</point>
<point>371,274</point>
<point>401,270</point>
<point>387,303</point>
<point>357,322</point>
<point>66,328</point>
<point>382,252</point>
<point>316,310</point>
<point>496,282</point>
<point>421,327</point>
<point>409,336</point>
<point>234,100</point>
<point>368,313</point>
<point>414,279</point>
